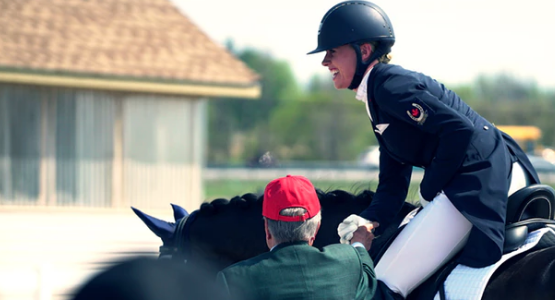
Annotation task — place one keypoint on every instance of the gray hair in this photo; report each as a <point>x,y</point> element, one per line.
<point>286,232</point>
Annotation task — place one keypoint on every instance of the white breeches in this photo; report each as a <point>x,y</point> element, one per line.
<point>428,241</point>
<point>518,178</point>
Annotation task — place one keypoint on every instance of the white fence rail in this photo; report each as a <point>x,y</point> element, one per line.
<point>354,174</point>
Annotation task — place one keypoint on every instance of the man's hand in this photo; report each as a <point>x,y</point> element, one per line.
<point>364,234</point>
<point>346,229</point>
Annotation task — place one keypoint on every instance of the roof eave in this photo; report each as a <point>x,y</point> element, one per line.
<point>173,88</point>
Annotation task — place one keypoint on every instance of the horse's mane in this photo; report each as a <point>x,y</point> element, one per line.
<point>230,230</point>
<point>246,201</point>
<point>221,205</point>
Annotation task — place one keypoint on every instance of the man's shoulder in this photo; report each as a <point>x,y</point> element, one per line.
<point>334,252</point>
<point>338,247</point>
<point>247,265</point>
<point>345,251</point>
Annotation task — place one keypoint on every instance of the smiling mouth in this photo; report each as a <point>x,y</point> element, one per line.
<point>334,73</point>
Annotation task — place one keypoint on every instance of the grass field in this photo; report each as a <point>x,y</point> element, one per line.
<point>230,188</point>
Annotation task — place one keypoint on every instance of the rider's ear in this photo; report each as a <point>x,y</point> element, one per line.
<point>312,239</point>
<point>365,51</point>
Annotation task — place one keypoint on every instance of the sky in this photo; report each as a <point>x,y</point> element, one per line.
<point>453,41</point>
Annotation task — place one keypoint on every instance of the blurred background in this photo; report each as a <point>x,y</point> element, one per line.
<point>117,103</point>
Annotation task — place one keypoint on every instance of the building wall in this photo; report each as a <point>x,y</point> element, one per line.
<point>162,152</point>
<point>71,164</point>
<point>84,148</point>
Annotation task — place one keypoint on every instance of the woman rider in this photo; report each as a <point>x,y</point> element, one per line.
<point>470,167</point>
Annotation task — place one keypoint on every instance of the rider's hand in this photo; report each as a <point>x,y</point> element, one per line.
<point>346,229</point>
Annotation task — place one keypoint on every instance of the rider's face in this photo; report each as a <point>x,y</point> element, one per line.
<point>341,62</point>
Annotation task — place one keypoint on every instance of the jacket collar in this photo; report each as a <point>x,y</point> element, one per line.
<point>362,89</point>
<point>283,245</point>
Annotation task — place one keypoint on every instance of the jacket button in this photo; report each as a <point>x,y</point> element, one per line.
<point>486,128</point>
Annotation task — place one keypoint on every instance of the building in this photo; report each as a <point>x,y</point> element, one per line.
<point>102,107</point>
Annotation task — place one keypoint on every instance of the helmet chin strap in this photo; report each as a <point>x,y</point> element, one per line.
<point>362,66</point>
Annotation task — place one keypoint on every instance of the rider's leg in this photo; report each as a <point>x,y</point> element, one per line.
<point>518,178</point>
<point>428,241</point>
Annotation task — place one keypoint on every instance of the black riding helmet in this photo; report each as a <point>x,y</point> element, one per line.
<point>353,23</point>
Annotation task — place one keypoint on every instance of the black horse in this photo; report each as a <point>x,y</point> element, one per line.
<point>223,232</point>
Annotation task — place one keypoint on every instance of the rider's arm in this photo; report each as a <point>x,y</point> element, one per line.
<point>394,181</point>
<point>401,95</point>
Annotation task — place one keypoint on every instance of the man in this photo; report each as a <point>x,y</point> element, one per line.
<point>293,269</point>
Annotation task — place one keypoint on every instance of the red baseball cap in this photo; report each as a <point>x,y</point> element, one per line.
<point>289,192</point>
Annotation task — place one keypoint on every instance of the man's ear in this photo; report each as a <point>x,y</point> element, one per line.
<point>311,241</point>
<point>268,234</point>
<point>365,51</point>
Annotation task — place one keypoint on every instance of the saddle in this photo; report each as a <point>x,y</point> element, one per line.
<point>528,209</point>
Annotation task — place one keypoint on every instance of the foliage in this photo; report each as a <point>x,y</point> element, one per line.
<point>321,123</point>
<point>238,127</point>
<point>506,100</point>
<point>321,126</point>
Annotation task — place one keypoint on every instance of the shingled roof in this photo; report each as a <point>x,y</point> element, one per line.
<point>137,45</point>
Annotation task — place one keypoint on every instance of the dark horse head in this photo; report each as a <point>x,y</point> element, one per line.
<point>224,231</point>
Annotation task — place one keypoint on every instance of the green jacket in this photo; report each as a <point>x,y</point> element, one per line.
<point>299,271</point>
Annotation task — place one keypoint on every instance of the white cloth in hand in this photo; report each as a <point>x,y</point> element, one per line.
<point>346,229</point>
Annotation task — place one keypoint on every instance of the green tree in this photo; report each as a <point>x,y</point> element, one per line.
<point>322,123</point>
<point>238,128</point>
<point>506,100</point>
<point>326,124</point>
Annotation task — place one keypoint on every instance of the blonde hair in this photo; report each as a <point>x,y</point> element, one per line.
<point>384,59</point>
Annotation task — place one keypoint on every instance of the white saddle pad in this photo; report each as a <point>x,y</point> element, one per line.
<point>465,283</point>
